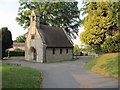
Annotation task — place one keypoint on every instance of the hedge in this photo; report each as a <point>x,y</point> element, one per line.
<point>15,53</point>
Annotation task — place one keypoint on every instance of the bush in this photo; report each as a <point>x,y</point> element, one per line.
<point>96,49</point>
<point>16,52</point>
<point>111,45</point>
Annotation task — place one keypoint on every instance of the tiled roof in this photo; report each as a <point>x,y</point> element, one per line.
<point>54,37</point>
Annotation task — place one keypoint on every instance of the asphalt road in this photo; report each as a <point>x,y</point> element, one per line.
<point>70,74</point>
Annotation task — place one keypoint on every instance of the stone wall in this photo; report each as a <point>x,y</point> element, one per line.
<point>57,56</point>
<point>36,44</point>
<point>34,41</point>
<point>19,45</point>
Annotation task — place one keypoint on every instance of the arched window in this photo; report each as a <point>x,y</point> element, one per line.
<point>32,36</point>
<point>33,18</point>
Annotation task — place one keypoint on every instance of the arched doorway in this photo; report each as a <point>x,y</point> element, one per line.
<point>33,53</point>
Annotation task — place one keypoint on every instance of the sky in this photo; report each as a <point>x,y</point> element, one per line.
<point>8,13</point>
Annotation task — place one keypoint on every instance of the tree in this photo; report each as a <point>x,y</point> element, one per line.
<point>76,48</point>
<point>21,39</point>
<point>57,14</point>
<point>100,25</point>
<point>6,40</point>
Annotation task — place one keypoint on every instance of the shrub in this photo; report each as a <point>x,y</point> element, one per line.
<point>16,52</point>
<point>96,49</point>
<point>111,45</point>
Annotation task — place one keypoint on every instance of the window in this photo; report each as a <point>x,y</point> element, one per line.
<point>60,51</point>
<point>66,51</point>
<point>32,36</point>
<point>53,51</point>
<point>33,18</point>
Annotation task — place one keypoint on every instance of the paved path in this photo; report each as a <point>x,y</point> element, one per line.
<point>69,74</point>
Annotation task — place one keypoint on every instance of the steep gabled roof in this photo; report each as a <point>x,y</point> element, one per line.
<point>54,37</point>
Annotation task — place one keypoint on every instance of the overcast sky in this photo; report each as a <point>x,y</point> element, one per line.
<point>8,13</point>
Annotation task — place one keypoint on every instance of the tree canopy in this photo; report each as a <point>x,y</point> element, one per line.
<point>21,39</point>
<point>57,14</point>
<point>76,48</point>
<point>102,25</point>
<point>6,40</point>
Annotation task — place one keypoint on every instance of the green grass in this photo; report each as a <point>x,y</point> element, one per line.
<point>20,77</point>
<point>91,63</point>
<point>106,64</point>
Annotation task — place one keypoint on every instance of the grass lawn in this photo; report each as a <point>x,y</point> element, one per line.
<point>20,77</point>
<point>106,64</point>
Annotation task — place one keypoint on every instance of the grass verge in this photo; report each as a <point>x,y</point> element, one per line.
<point>20,77</point>
<point>107,64</point>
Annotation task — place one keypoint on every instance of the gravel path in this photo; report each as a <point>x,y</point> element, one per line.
<point>70,74</point>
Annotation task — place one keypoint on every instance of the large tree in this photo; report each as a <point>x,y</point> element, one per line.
<point>102,25</point>
<point>20,39</point>
<point>6,40</point>
<point>57,14</point>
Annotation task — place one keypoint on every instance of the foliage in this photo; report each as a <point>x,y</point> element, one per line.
<point>6,40</point>
<point>16,52</point>
<point>96,49</point>
<point>100,26</point>
<point>57,14</point>
<point>111,45</point>
<point>89,49</point>
<point>14,76</point>
<point>76,48</point>
<point>106,64</point>
<point>21,39</point>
